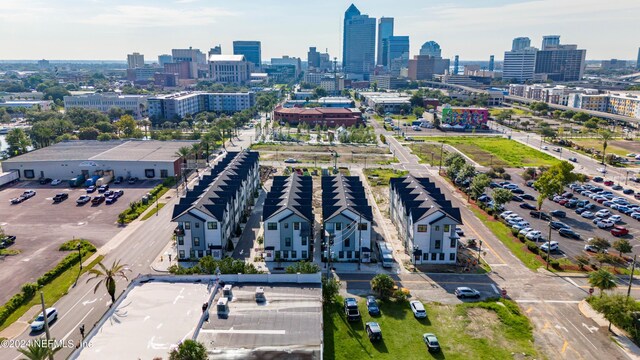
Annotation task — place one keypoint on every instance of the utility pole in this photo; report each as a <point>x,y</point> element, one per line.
<point>46,324</point>
<point>633,268</point>
<point>548,244</point>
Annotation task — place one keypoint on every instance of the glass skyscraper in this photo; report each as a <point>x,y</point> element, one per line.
<point>359,42</point>
<point>251,51</point>
<point>385,30</point>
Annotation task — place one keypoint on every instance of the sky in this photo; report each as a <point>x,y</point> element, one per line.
<point>473,29</point>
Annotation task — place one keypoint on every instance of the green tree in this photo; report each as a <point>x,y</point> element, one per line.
<point>55,93</point>
<point>465,172</point>
<point>127,126</point>
<point>554,180</point>
<point>591,124</point>
<point>580,117</point>
<point>103,137</point>
<point>623,246</point>
<point>500,197</point>
<point>605,136</point>
<point>88,133</point>
<point>618,309</point>
<point>382,284</point>
<point>115,113</point>
<point>478,184</point>
<point>417,100</point>
<point>105,127</point>
<point>109,277</point>
<point>548,132</point>
<point>18,141</point>
<point>38,349</point>
<point>603,280</point>
<point>303,267</point>
<point>418,111</point>
<point>600,244</point>
<point>189,350</point>
<point>319,93</point>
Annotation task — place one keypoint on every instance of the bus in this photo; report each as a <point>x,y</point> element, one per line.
<point>385,254</point>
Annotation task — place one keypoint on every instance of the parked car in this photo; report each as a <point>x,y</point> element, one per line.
<point>615,218</point>
<point>505,214</point>
<point>7,241</point>
<point>569,233</point>
<point>97,200</point>
<point>418,309</point>
<point>432,342</point>
<point>527,206</point>
<point>459,232</point>
<point>517,191</point>
<point>550,246</point>
<point>559,225</point>
<point>132,180</point>
<point>534,235</point>
<point>516,198</point>
<point>91,189</point>
<point>351,309</point>
<point>580,210</point>
<point>83,199</point>
<point>526,230</point>
<point>44,181</point>
<point>602,170</point>
<point>527,197</point>
<point>38,323</point>
<point>103,188</point>
<point>373,331</point>
<point>27,194</point>
<point>591,248</point>
<point>118,193</point>
<point>290,161</point>
<point>603,213</point>
<point>56,182</point>
<point>617,187</point>
<point>118,180</point>
<point>587,215</point>
<point>110,199</point>
<point>598,179</point>
<point>467,292</point>
<point>618,230</point>
<point>540,215</point>
<point>573,159</point>
<point>605,224</point>
<point>559,214</point>
<point>609,183</point>
<point>17,200</point>
<point>60,197</point>
<point>372,306</point>
<point>628,191</point>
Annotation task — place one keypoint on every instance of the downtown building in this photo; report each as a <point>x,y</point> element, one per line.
<point>397,54</point>
<point>432,48</point>
<point>346,219</point>
<point>560,63</point>
<point>252,51</point>
<point>425,220</point>
<point>229,69</point>
<point>208,216</point>
<point>288,219</point>
<point>178,105</point>
<point>358,44</point>
<point>135,60</point>
<point>319,116</point>
<point>519,63</point>
<point>135,104</point>
<point>385,31</point>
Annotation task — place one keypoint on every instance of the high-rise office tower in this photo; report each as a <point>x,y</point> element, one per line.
<point>638,61</point>
<point>491,63</point>
<point>431,48</point>
<point>398,53</point>
<point>313,58</point>
<point>456,64</point>
<point>216,50</point>
<point>550,40</point>
<point>520,43</point>
<point>385,30</point>
<point>519,65</point>
<point>561,62</point>
<point>359,42</point>
<point>251,51</point>
<point>135,60</point>
<point>164,59</point>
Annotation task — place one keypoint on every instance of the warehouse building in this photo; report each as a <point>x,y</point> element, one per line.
<point>130,158</point>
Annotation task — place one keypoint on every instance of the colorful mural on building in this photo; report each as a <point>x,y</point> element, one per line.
<point>464,117</point>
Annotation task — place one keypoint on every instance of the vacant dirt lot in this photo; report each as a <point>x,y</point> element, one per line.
<point>41,227</point>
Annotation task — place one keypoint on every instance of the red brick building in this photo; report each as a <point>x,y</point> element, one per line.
<point>331,117</point>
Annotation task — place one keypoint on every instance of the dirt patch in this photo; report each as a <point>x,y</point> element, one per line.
<point>482,323</point>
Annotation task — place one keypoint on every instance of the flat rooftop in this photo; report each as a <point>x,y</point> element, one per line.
<point>152,319</point>
<point>119,150</point>
<point>287,326</point>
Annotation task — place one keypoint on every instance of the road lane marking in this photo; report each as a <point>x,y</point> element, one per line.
<point>534,301</point>
<point>578,330</point>
<point>529,310</point>
<point>564,347</point>
<point>590,328</point>
<point>79,322</point>
<point>495,289</point>
<point>232,331</point>
<point>571,281</point>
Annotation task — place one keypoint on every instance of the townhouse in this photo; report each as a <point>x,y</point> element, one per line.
<point>426,221</point>
<point>288,219</point>
<point>347,218</point>
<point>209,214</point>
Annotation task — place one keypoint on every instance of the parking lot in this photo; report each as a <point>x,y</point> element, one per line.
<point>41,226</point>
<point>570,247</point>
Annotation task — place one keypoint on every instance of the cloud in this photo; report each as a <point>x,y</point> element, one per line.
<point>23,11</point>
<point>133,16</point>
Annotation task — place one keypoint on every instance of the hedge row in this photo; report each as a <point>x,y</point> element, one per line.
<point>29,289</point>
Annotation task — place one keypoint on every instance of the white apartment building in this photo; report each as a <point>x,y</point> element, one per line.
<point>181,104</point>
<point>137,104</point>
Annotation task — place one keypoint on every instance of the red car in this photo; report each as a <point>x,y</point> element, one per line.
<point>563,201</point>
<point>608,183</point>
<point>619,231</point>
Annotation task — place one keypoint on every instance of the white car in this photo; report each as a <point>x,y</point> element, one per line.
<point>550,246</point>
<point>505,214</point>
<point>521,225</point>
<point>545,148</point>
<point>615,218</point>
<point>587,215</point>
<point>56,182</point>
<point>591,248</point>
<point>635,215</point>
<point>602,170</point>
<point>534,235</point>
<point>605,224</point>
<point>525,231</point>
<point>603,213</point>
<point>515,220</point>
<point>38,323</point>
<point>418,309</point>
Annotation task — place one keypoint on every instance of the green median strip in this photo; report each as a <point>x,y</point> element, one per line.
<point>154,210</point>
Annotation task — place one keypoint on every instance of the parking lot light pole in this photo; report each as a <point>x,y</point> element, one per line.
<point>633,268</point>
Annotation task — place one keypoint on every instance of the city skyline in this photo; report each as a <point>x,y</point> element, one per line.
<point>99,30</point>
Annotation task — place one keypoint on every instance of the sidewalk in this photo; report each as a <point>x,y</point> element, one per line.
<point>168,257</point>
<point>619,336</point>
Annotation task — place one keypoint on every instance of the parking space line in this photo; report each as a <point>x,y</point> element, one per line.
<point>495,289</point>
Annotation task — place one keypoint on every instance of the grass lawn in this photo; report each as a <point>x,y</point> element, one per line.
<point>506,153</point>
<point>52,291</point>
<point>503,233</point>
<point>153,211</point>
<point>613,147</point>
<point>516,111</point>
<point>424,151</point>
<point>383,176</point>
<point>482,330</point>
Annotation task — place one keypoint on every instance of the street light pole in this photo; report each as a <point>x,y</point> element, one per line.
<point>46,324</point>
<point>548,245</point>
<point>633,268</point>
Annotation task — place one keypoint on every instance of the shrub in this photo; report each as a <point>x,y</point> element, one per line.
<point>400,295</point>
<point>29,289</point>
<point>383,139</point>
<point>514,232</point>
<point>533,247</point>
<point>506,176</point>
<point>520,236</point>
<point>498,169</point>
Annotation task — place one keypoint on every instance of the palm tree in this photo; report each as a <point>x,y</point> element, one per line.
<point>196,149</point>
<point>183,152</point>
<point>605,135</point>
<point>206,141</point>
<point>603,280</point>
<point>38,350</point>
<point>108,276</point>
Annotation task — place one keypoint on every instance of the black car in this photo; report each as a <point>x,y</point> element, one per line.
<point>559,213</point>
<point>516,198</point>
<point>598,179</point>
<point>527,206</point>
<point>484,198</point>
<point>569,233</point>
<point>7,241</point>
<point>580,210</point>
<point>559,225</point>
<point>132,180</point>
<point>628,191</point>
<point>540,215</point>
<point>494,185</point>
<point>517,191</point>
<point>44,181</point>
<point>351,309</point>
<point>103,188</point>
<point>60,197</point>
<point>118,180</point>
<point>372,306</point>
<point>527,197</point>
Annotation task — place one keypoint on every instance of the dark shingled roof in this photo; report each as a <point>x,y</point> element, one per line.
<point>422,198</point>
<point>290,192</point>
<point>216,188</point>
<point>344,192</point>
